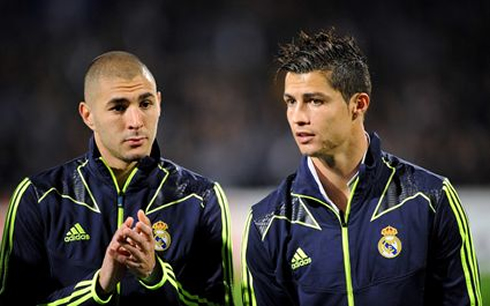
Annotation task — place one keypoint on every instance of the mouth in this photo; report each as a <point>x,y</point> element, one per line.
<point>304,137</point>
<point>135,141</point>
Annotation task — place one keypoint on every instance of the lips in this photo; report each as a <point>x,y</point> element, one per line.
<point>135,140</point>
<point>304,137</point>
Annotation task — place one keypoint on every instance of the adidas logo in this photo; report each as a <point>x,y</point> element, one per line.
<point>300,259</point>
<point>76,233</point>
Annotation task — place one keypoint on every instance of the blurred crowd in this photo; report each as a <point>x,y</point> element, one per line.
<point>223,114</point>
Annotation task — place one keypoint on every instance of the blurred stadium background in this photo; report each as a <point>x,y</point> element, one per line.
<point>222,110</point>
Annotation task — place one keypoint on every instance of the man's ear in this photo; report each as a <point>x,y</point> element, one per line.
<point>360,103</point>
<point>86,114</point>
<point>159,102</point>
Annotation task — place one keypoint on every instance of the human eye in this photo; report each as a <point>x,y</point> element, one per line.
<point>118,108</point>
<point>289,102</point>
<point>316,101</point>
<point>146,103</point>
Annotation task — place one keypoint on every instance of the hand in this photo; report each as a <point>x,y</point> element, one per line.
<point>113,268</point>
<point>138,247</point>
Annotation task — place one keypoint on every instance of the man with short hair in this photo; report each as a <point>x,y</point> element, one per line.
<point>119,225</point>
<point>354,225</point>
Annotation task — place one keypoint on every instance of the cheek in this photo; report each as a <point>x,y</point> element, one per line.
<point>153,121</point>
<point>288,117</point>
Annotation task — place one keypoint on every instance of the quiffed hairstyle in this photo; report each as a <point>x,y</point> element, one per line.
<point>326,51</point>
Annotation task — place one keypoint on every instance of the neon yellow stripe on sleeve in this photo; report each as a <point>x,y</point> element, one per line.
<point>226,251</point>
<point>8,233</point>
<point>468,258</point>
<point>248,294</point>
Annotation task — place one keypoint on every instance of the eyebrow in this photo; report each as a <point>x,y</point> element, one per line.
<point>124,100</point>
<point>146,95</point>
<point>308,95</point>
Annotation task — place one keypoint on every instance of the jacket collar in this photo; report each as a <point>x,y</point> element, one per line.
<point>369,171</point>
<point>145,165</point>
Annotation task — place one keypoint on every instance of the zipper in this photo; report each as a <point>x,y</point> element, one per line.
<point>120,202</point>
<point>120,208</point>
<point>344,220</point>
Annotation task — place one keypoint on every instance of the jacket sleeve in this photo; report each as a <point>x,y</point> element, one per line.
<point>452,273</point>
<point>208,276</point>
<point>259,282</point>
<point>24,270</point>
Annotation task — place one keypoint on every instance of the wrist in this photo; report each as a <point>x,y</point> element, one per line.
<point>102,292</point>
<point>154,276</point>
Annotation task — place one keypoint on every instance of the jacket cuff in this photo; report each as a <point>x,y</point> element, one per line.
<point>98,293</point>
<point>157,278</point>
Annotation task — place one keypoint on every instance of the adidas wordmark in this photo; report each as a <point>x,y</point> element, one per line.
<point>300,259</point>
<point>76,233</point>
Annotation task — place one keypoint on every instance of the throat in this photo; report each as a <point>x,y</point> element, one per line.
<point>337,192</point>
<point>334,182</point>
<point>122,175</point>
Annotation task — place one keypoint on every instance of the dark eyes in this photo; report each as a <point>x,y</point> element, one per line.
<point>146,103</point>
<point>118,108</point>
<point>121,107</point>
<point>315,102</point>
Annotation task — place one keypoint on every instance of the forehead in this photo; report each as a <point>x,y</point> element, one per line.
<point>305,81</point>
<point>138,81</point>
<point>107,89</point>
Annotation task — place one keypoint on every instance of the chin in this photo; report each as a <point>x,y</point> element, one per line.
<point>134,157</point>
<point>308,151</point>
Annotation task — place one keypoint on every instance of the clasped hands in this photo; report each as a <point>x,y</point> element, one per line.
<point>132,249</point>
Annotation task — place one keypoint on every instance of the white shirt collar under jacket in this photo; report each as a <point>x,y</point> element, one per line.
<point>312,169</point>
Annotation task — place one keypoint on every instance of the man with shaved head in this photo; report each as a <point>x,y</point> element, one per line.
<point>119,225</point>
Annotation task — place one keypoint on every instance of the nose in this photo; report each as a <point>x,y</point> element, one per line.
<point>298,114</point>
<point>134,117</point>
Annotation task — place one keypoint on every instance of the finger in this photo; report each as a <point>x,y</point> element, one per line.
<point>136,254</point>
<point>119,235</point>
<point>119,239</point>
<point>132,236</point>
<point>138,242</point>
<point>145,229</point>
<point>140,246</point>
<point>129,222</point>
<point>143,218</point>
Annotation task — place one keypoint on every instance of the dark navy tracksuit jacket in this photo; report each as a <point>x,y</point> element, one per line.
<point>404,239</point>
<point>60,222</point>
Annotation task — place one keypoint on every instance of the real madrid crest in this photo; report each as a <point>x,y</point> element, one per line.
<point>161,236</point>
<point>389,245</point>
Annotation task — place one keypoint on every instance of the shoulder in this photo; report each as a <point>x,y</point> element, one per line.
<point>405,168</point>
<point>411,178</point>
<point>185,180</point>
<point>57,176</point>
<point>277,204</point>
<point>275,199</point>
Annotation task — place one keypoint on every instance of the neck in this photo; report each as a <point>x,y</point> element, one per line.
<point>344,163</point>
<point>122,174</point>
<point>336,170</point>
<point>121,168</point>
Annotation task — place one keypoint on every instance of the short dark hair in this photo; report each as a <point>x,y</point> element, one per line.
<point>326,51</point>
<point>115,64</point>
